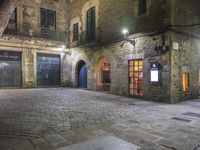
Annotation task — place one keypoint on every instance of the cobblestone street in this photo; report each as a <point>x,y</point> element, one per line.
<point>54,118</point>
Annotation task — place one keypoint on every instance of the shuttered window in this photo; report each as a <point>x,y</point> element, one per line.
<point>75,32</point>
<point>48,19</point>
<point>91,25</point>
<point>142,7</point>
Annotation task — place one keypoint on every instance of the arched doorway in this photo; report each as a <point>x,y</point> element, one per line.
<point>82,74</point>
<point>103,75</point>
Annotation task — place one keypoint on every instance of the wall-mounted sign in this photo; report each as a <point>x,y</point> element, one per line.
<point>155,65</point>
<point>155,72</point>
<point>10,56</point>
<point>154,76</point>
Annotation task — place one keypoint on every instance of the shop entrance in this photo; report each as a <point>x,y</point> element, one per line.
<point>136,78</point>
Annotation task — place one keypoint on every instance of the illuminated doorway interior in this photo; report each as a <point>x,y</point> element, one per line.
<point>136,77</point>
<point>103,75</point>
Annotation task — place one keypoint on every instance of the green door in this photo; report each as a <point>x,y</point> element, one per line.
<point>48,70</point>
<point>10,69</point>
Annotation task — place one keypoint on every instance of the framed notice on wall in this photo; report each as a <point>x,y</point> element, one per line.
<point>154,72</point>
<point>154,76</point>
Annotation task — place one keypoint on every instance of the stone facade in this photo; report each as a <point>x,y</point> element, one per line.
<point>153,29</point>
<point>161,35</point>
<point>28,40</point>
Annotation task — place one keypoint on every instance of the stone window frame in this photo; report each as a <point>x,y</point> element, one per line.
<point>72,22</point>
<point>89,4</point>
<point>55,19</point>
<point>186,81</point>
<point>142,7</point>
<point>75,32</point>
<point>136,8</point>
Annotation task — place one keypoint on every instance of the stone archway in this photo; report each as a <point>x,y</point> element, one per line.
<point>81,74</point>
<point>103,79</point>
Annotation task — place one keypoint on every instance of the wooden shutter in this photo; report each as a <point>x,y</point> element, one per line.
<point>91,24</point>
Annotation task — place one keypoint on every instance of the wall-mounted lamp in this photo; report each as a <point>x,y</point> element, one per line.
<point>125,33</point>
<point>62,48</point>
<point>163,48</point>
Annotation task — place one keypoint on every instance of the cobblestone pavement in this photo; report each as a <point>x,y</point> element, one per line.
<point>49,119</point>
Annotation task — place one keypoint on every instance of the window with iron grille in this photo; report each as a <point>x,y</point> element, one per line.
<point>142,7</point>
<point>75,32</point>
<point>91,24</point>
<point>48,19</point>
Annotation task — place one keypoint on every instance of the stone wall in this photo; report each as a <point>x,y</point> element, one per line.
<point>113,16</point>
<point>28,17</point>
<point>118,57</point>
<point>28,14</point>
<point>149,31</point>
<point>185,59</point>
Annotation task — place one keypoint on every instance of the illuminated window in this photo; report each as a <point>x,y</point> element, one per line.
<point>186,83</point>
<point>136,77</point>
<point>106,72</point>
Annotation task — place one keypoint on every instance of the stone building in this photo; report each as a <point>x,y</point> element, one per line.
<point>31,46</point>
<point>156,57</point>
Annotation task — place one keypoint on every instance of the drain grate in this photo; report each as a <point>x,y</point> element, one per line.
<point>192,114</point>
<point>181,119</point>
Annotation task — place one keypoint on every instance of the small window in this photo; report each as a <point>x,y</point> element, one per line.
<point>186,83</point>
<point>106,69</point>
<point>142,7</point>
<point>48,19</point>
<point>75,32</point>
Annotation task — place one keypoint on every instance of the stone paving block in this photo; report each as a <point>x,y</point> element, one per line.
<point>38,141</point>
<point>84,132</point>
<point>101,143</point>
<point>55,139</point>
<point>167,143</point>
<point>72,137</point>
<point>32,114</point>
<point>142,134</point>
<point>45,146</point>
<point>24,146</point>
<point>160,134</point>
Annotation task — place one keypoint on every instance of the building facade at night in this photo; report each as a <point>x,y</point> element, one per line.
<point>156,58</point>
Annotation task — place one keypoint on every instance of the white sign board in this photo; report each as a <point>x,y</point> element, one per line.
<point>154,76</point>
